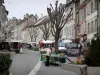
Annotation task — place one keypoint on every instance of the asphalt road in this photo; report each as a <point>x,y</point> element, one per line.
<point>53,70</point>
<point>24,63</point>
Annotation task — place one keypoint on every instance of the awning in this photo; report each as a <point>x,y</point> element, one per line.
<point>47,42</point>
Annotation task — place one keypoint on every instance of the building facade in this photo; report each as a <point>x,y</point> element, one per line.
<point>77,25</point>
<point>24,29</point>
<point>68,30</point>
<point>91,19</point>
<point>87,19</point>
<point>82,19</point>
<point>18,32</point>
<point>3,19</point>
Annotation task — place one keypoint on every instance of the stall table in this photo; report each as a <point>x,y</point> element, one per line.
<point>54,58</point>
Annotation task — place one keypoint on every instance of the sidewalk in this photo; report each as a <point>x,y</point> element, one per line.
<point>73,58</point>
<point>7,52</point>
<point>53,70</point>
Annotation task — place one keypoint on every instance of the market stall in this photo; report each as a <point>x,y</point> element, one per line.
<point>54,58</point>
<point>45,44</point>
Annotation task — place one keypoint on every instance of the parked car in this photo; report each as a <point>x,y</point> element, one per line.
<point>63,46</point>
<point>72,49</point>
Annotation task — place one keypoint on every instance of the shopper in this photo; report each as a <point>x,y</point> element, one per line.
<point>80,49</point>
<point>48,54</point>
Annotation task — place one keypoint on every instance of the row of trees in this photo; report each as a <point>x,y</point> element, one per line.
<point>54,22</point>
<point>33,32</point>
<point>43,25</point>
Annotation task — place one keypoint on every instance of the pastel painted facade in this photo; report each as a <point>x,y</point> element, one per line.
<point>21,30</point>
<point>91,18</point>
<point>68,30</point>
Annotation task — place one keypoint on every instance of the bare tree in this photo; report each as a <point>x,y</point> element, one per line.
<point>34,32</point>
<point>45,27</point>
<point>46,30</point>
<point>58,19</point>
<point>30,26</point>
<point>30,33</point>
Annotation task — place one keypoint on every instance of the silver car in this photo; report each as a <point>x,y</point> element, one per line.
<point>72,49</point>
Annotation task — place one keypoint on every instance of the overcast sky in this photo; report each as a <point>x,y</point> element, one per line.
<point>18,8</point>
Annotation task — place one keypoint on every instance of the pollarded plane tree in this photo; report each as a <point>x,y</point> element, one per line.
<point>58,19</point>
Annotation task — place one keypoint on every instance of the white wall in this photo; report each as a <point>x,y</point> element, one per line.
<point>68,30</point>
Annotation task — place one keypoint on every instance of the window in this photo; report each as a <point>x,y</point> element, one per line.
<point>84,12</point>
<point>72,16</point>
<point>88,9</point>
<point>0,25</point>
<point>80,16</point>
<point>77,18</point>
<point>72,29</point>
<point>92,27</point>
<point>88,28</point>
<point>78,29</point>
<point>95,4</point>
<point>96,25</point>
<point>91,7</point>
<point>67,30</point>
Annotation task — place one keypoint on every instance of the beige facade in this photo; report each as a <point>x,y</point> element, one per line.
<point>18,33</point>
<point>91,18</point>
<point>21,30</point>
<point>68,30</point>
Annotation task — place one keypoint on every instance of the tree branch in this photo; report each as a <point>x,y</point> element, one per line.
<point>65,20</point>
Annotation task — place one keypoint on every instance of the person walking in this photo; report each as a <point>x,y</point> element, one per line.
<point>21,48</point>
<point>48,54</point>
<point>80,49</point>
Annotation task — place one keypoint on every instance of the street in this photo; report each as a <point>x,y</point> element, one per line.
<point>24,63</point>
<point>53,70</point>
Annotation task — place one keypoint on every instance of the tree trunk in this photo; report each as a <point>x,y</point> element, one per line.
<point>56,44</point>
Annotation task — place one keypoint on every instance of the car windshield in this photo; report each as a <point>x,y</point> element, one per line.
<point>72,45</point>
<point>61,44</point>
